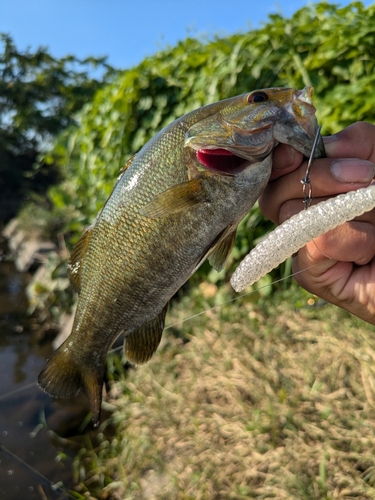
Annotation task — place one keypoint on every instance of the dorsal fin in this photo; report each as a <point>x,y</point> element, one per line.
<point>76,259</point>
<point>141,344</point>
<point>127,164</point>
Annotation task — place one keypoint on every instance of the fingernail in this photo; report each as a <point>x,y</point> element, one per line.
<point>329,144</point>
<point>330,138</point>
<point>353,170</point>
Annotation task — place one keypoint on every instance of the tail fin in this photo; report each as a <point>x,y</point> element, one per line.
<point>64,376</point>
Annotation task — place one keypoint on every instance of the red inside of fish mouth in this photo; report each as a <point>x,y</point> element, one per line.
<point>220,160</point>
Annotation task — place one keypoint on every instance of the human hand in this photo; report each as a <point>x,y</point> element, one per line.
<point>339,266</point>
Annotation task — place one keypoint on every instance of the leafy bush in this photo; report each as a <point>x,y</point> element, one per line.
<point>38,98</point>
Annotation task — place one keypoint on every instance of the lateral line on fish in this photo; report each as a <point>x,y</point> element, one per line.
<point>64,493</point>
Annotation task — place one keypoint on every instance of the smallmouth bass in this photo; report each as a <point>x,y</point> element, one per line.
<point>177,202</point>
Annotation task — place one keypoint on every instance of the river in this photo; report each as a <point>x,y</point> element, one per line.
<point>32,456</point>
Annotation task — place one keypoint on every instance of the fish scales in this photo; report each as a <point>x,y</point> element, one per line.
<point>177,202</point>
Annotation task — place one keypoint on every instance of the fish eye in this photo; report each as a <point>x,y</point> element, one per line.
<point>257,97</point>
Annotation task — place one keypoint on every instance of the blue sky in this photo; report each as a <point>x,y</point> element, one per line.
<point>128,30</point>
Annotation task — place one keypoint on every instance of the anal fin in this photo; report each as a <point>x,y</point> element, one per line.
<point>140,345</point>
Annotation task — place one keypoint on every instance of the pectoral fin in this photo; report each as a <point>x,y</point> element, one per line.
<point>177,198</point>
<point>76,259</point>
<point>141,344</point>
<point>221,251</point>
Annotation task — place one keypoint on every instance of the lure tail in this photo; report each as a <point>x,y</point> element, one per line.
<point>64,376</point>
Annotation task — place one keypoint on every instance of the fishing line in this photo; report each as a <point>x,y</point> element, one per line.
<point>56,488</point>
<point>307,201</point>
<point>61,490</point>
<point>19,389</point>
<point>180,322</point>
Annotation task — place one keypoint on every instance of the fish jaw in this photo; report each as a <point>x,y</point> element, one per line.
<point>300,132</point>
<point>252,125</point>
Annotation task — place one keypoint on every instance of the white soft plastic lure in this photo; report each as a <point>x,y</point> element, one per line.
<point>294,233</point>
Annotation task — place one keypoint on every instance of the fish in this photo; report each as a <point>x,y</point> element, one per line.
<point>176,203</point>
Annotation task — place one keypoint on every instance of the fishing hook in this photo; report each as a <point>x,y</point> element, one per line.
<point>307,187</point>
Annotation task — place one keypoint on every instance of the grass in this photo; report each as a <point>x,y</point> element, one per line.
<point>266,398</point>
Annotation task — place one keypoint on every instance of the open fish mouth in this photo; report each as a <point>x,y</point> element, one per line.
<point>221,160</point>
<point>227,143</point>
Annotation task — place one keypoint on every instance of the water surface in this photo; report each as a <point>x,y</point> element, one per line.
<point>23,406</point>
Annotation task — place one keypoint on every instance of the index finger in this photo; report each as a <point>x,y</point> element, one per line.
<point>355,141</point>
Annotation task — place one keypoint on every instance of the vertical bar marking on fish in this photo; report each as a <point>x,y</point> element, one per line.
<point>294,233</point>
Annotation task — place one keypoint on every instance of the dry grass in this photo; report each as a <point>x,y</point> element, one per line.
<point>263,401</point>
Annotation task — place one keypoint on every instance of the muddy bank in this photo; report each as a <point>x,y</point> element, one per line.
<point>35,430</point>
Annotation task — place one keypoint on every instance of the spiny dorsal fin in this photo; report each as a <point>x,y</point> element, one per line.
<point>63,376</point>
<point>76,259</point>
<point>177,198</point>
<point>127,164</point>
<point>221,251</point>
<point>141,344</point>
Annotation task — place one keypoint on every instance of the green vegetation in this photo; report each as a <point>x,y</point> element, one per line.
<point>331,48</point>
<point>265,397</point>
<point>259,398</point>
<point>38,98</point>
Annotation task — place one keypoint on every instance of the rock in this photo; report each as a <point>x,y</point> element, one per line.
<point>10,228</point>
<point>29,251</point>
